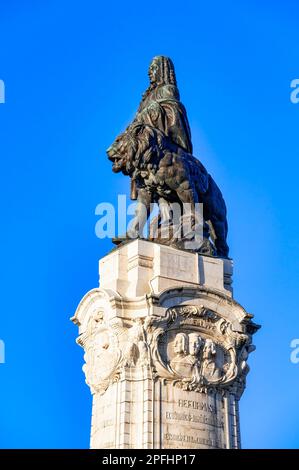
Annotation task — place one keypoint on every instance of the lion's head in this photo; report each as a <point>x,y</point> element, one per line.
<point>121,154</point>
<point>136,147</point>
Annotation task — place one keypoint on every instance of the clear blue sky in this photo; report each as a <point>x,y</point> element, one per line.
<point>74,74</point>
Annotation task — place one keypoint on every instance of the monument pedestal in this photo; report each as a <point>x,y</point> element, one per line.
<point>166,350</point>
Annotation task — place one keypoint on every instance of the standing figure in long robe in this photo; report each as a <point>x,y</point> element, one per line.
<point>162,109</point>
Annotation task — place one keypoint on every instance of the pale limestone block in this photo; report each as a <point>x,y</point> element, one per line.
<point>165,350</point>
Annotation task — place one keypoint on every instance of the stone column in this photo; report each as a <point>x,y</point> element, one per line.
<point>166,350</point>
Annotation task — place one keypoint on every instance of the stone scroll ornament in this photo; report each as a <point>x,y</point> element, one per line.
<point>110,348</point>
<point>102,352</point>
<point>156,152</point>
<point>197,350</point>
<point>191,347</point>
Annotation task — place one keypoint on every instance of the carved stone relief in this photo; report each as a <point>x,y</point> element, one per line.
<point>192,347</point>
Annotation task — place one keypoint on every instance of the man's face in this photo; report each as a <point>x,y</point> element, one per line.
<point>153,72</point>
<point>179,345</point>
<point>194,345</point>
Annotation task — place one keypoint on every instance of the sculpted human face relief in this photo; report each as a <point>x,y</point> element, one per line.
<point>153,72</point>
<point>180,344</point>
<point>194,344</point>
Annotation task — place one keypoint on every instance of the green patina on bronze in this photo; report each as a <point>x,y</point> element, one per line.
<point>156,151</point>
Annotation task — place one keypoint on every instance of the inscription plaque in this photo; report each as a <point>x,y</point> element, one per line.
<point>192,420</point>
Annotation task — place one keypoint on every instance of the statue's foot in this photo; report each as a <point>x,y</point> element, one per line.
<point>207,248</point>
<point>119,240</point>
<point>125,238</point>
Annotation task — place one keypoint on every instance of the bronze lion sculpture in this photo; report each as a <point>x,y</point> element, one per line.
<point>165,173</point>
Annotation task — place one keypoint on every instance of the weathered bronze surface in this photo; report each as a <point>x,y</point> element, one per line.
<point>156,152</point>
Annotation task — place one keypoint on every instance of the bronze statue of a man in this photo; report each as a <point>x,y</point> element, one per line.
<point>161,107</point>
<point>156,152</point>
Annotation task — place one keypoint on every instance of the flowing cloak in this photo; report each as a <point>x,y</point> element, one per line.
<point>162,109</point>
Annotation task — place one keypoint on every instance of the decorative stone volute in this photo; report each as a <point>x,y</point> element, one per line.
<point>185,341</point>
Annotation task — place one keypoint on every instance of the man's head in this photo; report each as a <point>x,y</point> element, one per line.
<point>194,344</point>
<point>181,344</point>
<point>161,71</point>
<point>210,347</point>
<point>154,71</point>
